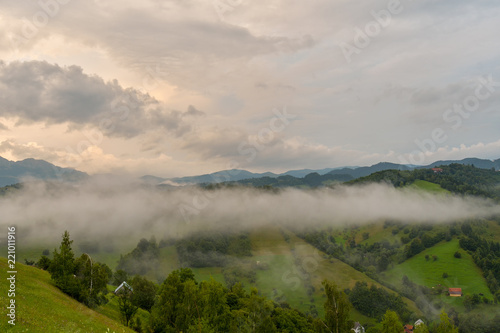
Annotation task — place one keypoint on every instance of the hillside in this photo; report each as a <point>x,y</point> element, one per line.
<point>462,272</point>
<point>41,307</point>
<point>298,177</point>
<point>455,178</point>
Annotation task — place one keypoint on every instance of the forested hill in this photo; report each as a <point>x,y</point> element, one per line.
<point>311,180</point>
<point>456,178</point>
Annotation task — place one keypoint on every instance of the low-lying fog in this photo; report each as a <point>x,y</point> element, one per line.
<point>119,210</point>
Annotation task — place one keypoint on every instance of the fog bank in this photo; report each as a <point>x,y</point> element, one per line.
<point>119,210</point>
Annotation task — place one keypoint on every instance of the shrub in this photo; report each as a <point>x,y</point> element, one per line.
<point>458,255</point>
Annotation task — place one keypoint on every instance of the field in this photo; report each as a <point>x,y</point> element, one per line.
<point>295,272</point>
<point>41,307</point>
<point>462,273</point>
<point>428,187</point>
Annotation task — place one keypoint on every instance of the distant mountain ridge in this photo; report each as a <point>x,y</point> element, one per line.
<point>14,172</point>
<point>345,173</point>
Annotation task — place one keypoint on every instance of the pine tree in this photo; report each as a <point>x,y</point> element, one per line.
<point>62,268</point>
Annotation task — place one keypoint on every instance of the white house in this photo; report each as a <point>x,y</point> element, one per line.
<point>123,285</point>
<point>358,328</point>
<point>419,322</point>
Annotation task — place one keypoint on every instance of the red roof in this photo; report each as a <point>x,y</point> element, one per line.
<point>455,290</point>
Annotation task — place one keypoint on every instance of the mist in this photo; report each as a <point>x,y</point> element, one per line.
<point>122,211</point>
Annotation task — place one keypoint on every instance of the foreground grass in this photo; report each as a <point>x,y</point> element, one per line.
<point>41,307</point>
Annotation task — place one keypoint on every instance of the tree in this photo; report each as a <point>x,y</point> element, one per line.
<point>144,292</point>
<point>391,323</point>
<point>93,278</point>
<point>468,303</point>
<point>177,304</point>
<point>422,328</point>
<point>337,308</point>
<point>119,276</point>
<point>127,308</point>
<point>62,268</point>
<point>445,325</point>
<point>44,263</point>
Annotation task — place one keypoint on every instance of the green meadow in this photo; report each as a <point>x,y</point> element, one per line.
<point>41,307</point>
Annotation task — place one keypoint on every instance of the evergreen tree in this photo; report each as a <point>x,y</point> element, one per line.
<point>62,267</point>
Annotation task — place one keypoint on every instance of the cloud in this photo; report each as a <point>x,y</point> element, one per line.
<point>41,92</point>
<point>237,66</point>
<point>114,210</point>
<point>27,150</point>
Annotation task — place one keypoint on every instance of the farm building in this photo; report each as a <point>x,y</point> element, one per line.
<point>455,292</point>
<point>408,328</point>
<point>437,170</point>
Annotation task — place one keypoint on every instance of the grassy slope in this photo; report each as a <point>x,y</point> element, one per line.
<point>429,187</point>
<point>112,310</point>
<point>295,265</point>
<point>41,307</point>
<point>462,273</point>
<point>377,233</point>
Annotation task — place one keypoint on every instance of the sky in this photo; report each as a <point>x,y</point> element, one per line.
<point>178,88</point>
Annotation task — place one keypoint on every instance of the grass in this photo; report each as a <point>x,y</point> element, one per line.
<point>428,187</point>
<point>41,307</point>
<point>462,273</point>
<point>296,266</point>
<point>279,278</point>
<point>492,231</point>
<point>377,233</point>
<point>112,310</point>
<point>207,273</point>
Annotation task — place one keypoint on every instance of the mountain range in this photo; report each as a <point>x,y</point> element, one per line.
<point>339,174</point>
<point>15,172</point>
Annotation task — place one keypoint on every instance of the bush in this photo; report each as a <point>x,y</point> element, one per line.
<point>445,275</point>
<point>458,255</point>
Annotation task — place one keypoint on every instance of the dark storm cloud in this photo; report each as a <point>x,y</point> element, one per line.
<point>41,92</point>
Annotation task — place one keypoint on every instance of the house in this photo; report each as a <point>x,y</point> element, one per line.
<point>358,328</point>
<point>437,170</point>
<point>408,328</point>
<point>418,322</point>
<point>123,287</point>
<point>455,292</point>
